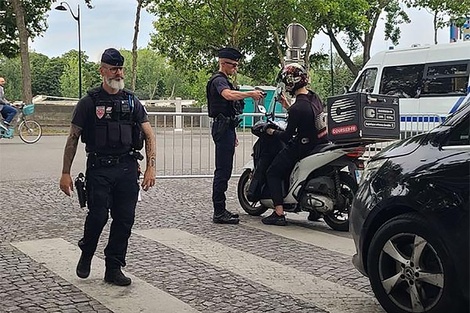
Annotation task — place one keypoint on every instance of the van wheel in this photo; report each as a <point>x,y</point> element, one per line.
<point>252,208</point>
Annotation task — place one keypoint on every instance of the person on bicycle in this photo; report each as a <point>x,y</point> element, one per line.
<point>306,128</point>
<point>6,109</point>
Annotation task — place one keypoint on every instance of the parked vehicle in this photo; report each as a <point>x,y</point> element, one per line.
<point>410,220</point>
<point>319,183</point>
<point>29,130</point>
<point>431,81</point>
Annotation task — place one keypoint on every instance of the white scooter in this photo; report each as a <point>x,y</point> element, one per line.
<point>323,183</point>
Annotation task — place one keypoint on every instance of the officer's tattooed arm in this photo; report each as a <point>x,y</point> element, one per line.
<point>70,150</point>
<point>150,151</point>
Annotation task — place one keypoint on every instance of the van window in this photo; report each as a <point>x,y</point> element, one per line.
<point>366,81</point>
<point>446,78</point>
<point>403,81</point>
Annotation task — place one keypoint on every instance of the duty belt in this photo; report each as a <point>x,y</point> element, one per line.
<point>223,118</point>
<point>233,121</point>
<point>110,160</point>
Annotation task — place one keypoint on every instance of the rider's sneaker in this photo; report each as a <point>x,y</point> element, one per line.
<point>9,133</point>
<point>274,219</point>
<point>4,126</point>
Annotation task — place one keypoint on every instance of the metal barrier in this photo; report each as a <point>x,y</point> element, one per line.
<point>185,148</point>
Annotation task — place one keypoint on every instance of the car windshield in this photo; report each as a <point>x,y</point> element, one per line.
<point>460,114</point>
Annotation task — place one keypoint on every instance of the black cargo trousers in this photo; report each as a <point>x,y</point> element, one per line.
<point>223,134</point>
<point>111,188</point>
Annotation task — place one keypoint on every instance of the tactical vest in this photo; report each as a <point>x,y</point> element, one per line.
<point>114,129</point>
<point>216,104</point>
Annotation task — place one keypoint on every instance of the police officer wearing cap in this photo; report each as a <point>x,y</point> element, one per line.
<point>224,104</point>
<point>109,120</point>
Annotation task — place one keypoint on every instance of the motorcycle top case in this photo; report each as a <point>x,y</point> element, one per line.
<point>363,117</point>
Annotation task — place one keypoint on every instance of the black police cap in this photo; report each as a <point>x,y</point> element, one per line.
<point>229,53</point>
<point>112,56</point>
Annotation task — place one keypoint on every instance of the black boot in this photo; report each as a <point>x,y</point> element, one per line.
<point>225,218</point>
<point>84,265</point>
<point>116,277</point>
<point>234,215</point>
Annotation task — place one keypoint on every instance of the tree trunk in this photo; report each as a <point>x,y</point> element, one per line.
<point>134,44</point>
<point>435,27</point>
<point>347,60</point>
<point>24,37</point>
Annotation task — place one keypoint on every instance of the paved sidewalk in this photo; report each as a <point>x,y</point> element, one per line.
<point>179,260</point>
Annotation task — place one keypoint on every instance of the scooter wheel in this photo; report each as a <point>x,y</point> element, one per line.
<point>252,208</point>
<point>338,219</point>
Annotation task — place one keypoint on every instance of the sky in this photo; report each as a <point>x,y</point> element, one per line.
<point>111,25</point>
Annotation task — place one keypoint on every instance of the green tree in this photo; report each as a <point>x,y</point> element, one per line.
<point>442,11</point>
<point>45,78</point>
<point>10,68</point>
<point>191,32</point>
<point>34,23</point>
<point>358,21</point>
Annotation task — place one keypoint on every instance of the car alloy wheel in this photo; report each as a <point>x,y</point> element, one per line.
<point>409,267</point>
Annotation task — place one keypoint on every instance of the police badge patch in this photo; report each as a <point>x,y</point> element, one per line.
<point>100,111</point>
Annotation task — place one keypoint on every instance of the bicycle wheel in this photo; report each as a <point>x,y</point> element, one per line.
<point>30,131</point>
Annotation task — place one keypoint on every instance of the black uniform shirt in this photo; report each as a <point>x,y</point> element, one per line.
<point>85,113</point>
<point>218,103</point>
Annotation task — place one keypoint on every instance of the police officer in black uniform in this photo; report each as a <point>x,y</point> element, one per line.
<point>111,122</point>
<point>225,103</point>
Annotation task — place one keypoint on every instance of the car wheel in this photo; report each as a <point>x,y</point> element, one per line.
<point>409,267</point>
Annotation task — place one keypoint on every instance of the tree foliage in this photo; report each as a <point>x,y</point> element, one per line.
<point>35,21</point>
<point>359,22</point>
<point>190,32</point>
<point>442,10</point>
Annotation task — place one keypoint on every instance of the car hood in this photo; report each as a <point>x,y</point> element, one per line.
<point>402,147</point>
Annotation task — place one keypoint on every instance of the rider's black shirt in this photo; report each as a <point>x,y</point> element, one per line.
<point>301,119</point>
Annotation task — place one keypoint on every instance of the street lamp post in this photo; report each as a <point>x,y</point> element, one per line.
<point>61,7</point>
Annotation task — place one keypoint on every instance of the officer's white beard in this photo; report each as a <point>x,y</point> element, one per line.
<point>115,84</point>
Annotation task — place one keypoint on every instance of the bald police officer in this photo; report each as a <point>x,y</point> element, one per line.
<point>109,120</point>
<point>224,105</point>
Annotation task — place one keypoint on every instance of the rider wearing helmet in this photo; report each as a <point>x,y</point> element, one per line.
<point>306,128</point>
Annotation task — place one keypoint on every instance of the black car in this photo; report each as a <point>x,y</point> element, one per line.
<point>410,220</point>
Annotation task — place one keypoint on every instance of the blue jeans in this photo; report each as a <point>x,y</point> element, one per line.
<point>8,113</point>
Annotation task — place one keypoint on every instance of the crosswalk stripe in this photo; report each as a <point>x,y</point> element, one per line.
<point>317,238</point>
<point>60,257</point>
<point>322,293</point>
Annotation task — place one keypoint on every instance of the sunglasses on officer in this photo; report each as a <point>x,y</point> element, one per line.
<point>233,64</point>
<point>114,69</point>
